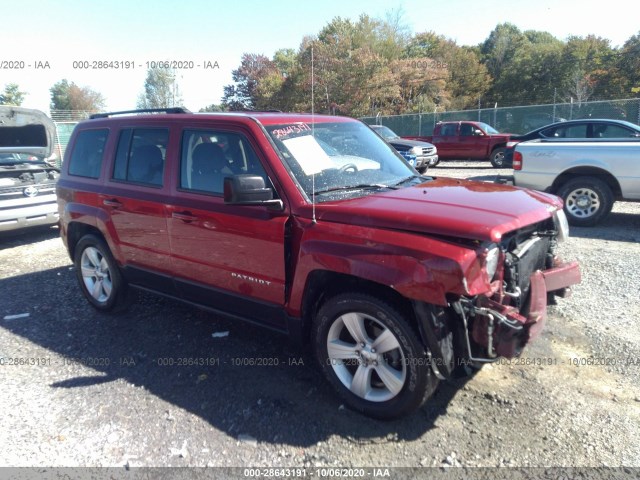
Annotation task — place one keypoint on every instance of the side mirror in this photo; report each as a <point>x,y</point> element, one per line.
<point>248,190</point>
<point>478,133</point>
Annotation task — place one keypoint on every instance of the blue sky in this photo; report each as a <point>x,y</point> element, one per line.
<point>65,31</point>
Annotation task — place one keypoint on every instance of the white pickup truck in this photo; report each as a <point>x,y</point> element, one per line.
<point>588,174</point>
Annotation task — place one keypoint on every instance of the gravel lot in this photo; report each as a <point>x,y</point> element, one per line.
<point>98,390</point>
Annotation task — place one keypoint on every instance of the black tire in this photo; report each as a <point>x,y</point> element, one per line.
<point>409,380</point>
<point>497,157</point>
<point>587,200</point>
<point>105,289</point>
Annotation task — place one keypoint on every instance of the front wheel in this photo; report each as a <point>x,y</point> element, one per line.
<point>587,200</point>
<point>372,356</point>
<point>497,157</point>
<point>98,274</point>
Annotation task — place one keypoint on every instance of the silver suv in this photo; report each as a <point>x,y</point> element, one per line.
<point>27,181</point>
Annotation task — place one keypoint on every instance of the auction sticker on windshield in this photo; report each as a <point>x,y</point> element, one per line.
<point>309,154</point>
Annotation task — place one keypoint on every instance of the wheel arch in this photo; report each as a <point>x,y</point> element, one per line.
<point>324,284</point>
<point>77,230</point>
<point>498,145</point>
<point>599,173</point>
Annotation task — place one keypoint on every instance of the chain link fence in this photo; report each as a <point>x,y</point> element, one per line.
<point>515,120</point>
<point>65,121</point>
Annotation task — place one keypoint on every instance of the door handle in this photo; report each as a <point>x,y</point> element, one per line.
<point>112,203</point>
<point>184,216</point>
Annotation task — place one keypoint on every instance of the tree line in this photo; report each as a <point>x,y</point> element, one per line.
<point>374,66</point>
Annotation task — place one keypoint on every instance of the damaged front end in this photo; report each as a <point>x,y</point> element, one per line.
<point>527,275</point>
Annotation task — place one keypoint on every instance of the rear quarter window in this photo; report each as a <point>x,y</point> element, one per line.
<point>88,153</point>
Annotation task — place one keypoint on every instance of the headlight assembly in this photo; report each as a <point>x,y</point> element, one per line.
<point>491,255</point>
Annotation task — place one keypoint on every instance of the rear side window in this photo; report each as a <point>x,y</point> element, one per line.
<point>141,155</point>
<point>208,156</point>
<point>448,130</point>
<point>88,152</point>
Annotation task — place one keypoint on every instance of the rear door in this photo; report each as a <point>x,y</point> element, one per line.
<point>228,257</point>
<point>135,198</point>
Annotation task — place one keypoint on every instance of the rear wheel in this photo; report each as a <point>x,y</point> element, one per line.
<point>587,200</point>
<point>98,274</point>
<point>371,356</point>
<point>497,157</point>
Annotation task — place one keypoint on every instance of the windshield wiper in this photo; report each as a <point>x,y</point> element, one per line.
<point>360,186</point>
<point>409,178</point>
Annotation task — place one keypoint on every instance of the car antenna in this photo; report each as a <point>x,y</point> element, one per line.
<point>313,134</point>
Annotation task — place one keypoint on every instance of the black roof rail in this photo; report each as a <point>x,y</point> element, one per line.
<point>143,110</point>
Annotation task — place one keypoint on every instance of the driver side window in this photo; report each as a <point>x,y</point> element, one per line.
<point>208,156</point>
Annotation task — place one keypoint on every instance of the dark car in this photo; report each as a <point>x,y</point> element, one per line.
<point>426,154</point>
<point>583,128</point>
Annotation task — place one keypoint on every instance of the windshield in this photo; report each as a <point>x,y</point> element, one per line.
<point>488,128</point>
<point>385,132</point>
<point>336,160</point>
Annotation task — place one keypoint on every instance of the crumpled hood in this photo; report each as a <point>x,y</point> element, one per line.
<point>446,206</point>
<point>27,131</point>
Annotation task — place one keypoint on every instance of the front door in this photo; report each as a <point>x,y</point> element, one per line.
<point>228,257</point>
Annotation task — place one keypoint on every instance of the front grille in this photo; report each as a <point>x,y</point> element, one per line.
<point>427,150</point>
<point>17,192</point>
<point>526,252</point>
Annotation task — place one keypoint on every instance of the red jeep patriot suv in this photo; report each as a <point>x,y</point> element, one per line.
<point>314,226</point>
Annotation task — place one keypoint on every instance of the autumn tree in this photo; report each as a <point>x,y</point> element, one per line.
<point>499,49</point>
<point>160,89</point>
<point>352,68</point>
<point>586,63</point>
<point>249,91</point>
<point>12,95</point>
<point>67,95</point>
<point>525,66</point>
<point>466,78</point>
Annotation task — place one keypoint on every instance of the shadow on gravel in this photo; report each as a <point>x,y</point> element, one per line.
<point>16,238</point>
<point>622,227</point>
<point>251,382</point>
